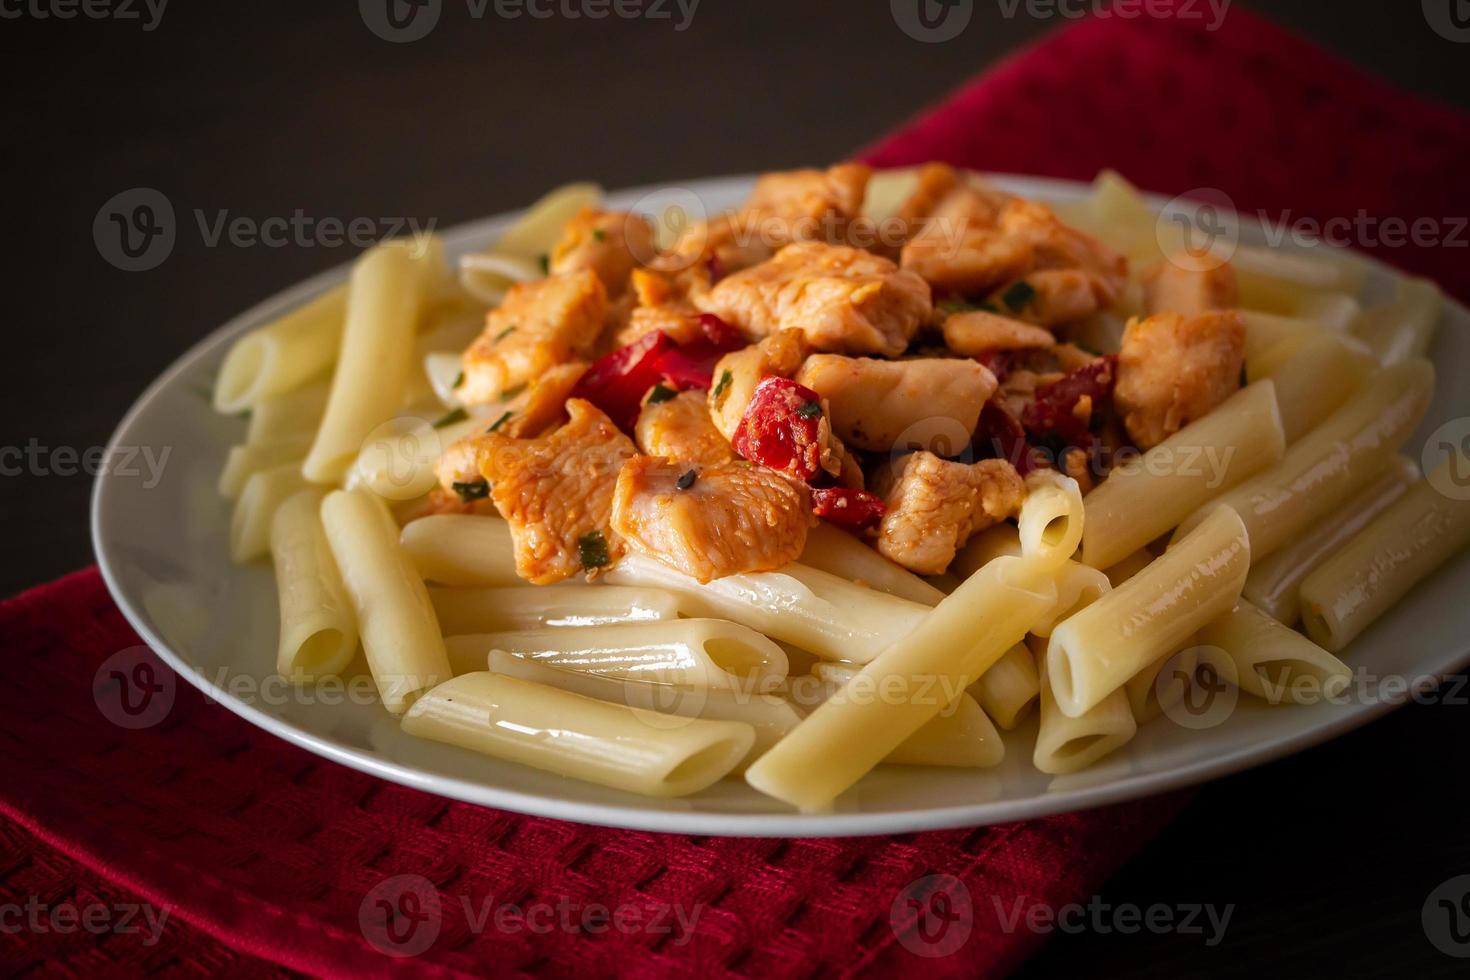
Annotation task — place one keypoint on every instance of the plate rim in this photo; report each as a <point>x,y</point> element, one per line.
<point>631,816</point>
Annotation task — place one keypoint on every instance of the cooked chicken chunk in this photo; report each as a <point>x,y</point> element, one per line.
<point>609,243</point>
<point>1052,297</point>
<point>680,428</point>
<point>736,374</point>
<point>539,325</point>
<point>934,506</point>
<point>1173,369</point>
<point>966,259</point>
<point>1188,284</point>
<point>931,402</point>
<point>556,491</point>
<point>711,521</point>
<point>843,299</point>
<point>807,205</point>
<point>976,332</point>
<point>1057,245</point>
<point>945,194</point>
<point>708,250</point>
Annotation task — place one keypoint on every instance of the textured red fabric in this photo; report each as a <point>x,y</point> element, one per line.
<point>267,857</point>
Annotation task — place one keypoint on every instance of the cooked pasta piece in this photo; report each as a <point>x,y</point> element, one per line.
<point>1274,662</point>
<point>830,549</point>
<point>283,355</point>
<point>1078,586</point>
<point>1313,379</point>
<point>1008,690</point>
<point>462,549</point>
<point>1070,743</point>
<point>1162,684</point>
<point>530,607</point>
<point>250,524</point>
<point>1404,329</point>
<point>610,744</point>
<point>247,460</point>
<point>318,635</point>
<point>290,415</point>
<point>398,461</point>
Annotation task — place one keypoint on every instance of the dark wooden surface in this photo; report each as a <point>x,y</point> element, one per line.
<point>261,108</point>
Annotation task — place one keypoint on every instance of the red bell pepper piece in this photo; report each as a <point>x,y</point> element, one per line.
<point>781,428</point>
<point>998,362</point>
<point>848,507</point>
<point>1000,433</point>
<point>1054,414</point>
<point>617,382</point>
<point>692,365</point>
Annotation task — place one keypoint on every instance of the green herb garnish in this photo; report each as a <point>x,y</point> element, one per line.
<point>472,491</point>
<point>598,234</point>
<point>544,261</point>
<point>952,306</point>
<point>810,410</point>
<point>686,480</point>
<point>660,393</point>
<point>459,379</point>
<point>724,383</point>
<point>500,421</point>
<point>458,415</point>
<point>505,333</point>
<point>1018,295</point>
<point>511,393</point>
<point>592,547</point>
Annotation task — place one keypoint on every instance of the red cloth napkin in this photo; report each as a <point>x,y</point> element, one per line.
<point>249,854</point>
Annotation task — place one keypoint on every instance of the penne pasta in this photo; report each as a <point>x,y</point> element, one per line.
<point>250,523</point>
<point>514,258</point>
<point>1078,586</point>
<point>283,355</point>
<point>462,549</point>
<point>707,653</point>
<point>1008,689</point>
<point>1404,329</point>
<point>817,611</point>
<point>1273,662</point>
<point>243,462</point>
<point>1161,685</point>
<point>1313,378</point>
<point>292,415</point>
<point>1127,568</point>
<point>830,549</point>
<point>1266,330</point>
<point>397,460</point>
<point>318,636</point>
<point>950,648</point>
<point>1050,523</point>
<point>1067,743</point>
<point>992,543</point>
<point>768,715</point>
<point>1274,585</point>
<point>571,735</point>
<point>1416,534</point>
<point>1331,463</point>
<point>1096,651</point>
<point>1148,497</point>
<point>386,297</point>
<point>529,607</point>
<point>1276,273</point>
<point>400,636</point>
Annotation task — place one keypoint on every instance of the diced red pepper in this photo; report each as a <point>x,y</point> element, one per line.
<point>848,507</point>
<point>1054,414</point>
<point>1000,433</point>
<point>998,362</point>
<point>781,428</point>
<point>692,365</point>
<point>617,382</point>
<point>720,334</point>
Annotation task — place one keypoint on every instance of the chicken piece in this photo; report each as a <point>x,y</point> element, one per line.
<point>680,428</point>
<point>609,243</point>
<point>736,374</point>
<point>556,491</point>
<point>1057,245</point>
<point>843,299</point>
<point>934,506</point>
<point>976,332</point>
<point>709,521</point>
<point>883,406</point>
<point>539,325</point>
<point>1052,297</point>
<point>1190,285</point>
<point>807,205</point>
<point>709,250</point>
<point>944,194</point>
<point>1174,369</point>
<point>966,259</point>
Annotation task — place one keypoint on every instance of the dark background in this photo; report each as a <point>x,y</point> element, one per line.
<point>261,108</point>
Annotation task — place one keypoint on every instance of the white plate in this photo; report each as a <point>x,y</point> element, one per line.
<point>162,549</point>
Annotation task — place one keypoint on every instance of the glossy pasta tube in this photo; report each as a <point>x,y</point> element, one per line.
<point>694,652</point>
<point>1149,496</point>
<point>1331,463</point>
<point>1050,523</point>
<point>318,636</point>
<point>1313,379</point>
<point>992,543</point>
<point>1067,743</point>
<point>830,549</point>
<point>1078,586</point>
<point>1280,273</point>
<point>487,275</point>
<point>1009,688</point>
<point>961,736</point>
<point>462,549</point>
<point>1161,685</point>
<point>822,613</point>
<point>768,715</point>
<point>250,524</point>
<point>534,607</point>
<point>283,355</point>
<point>245,461</point>
<point>1274,662</point>
<point>1274,585</point>
<point>571,735</point>
<point>951,647</point>
<point>1127,568</point>
<point>1404,329</point>
<point>1266,330</point>
<point>400,636</point>
<point>1399,548</point>
<point>397,461</point>
<point>1096,651</point>
<point>291,415</point>
<point>385,298</point>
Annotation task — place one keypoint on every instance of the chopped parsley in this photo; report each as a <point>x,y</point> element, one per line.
<point>724,383</point>
<point>475,490</point>
<point>458,415</point>
<point>660,393</point>
<point>544,261</point>
<point>952,306</point>
<point>686,480</point>
<point>810,410</point>
<point>510,393</point>
<point>1018,295</point>
<point>592,547</point>
<point>598,234</point>
<point>505,333</point>
<point>459,379</point>
<point>500,421</point>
